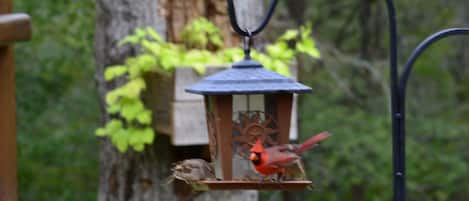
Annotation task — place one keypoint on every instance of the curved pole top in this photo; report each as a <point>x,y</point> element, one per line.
<point>422,47</point>
<point>259,28</point>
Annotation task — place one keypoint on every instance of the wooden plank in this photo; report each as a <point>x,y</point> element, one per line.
<point>14,28</point>
<point>8,180</point>
<point>255,185</point>
<point>184,77</point>
<point>158,98</point>
<point>189,123</point>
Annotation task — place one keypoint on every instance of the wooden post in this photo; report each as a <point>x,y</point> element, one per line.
<point>284,108</point>
<point>223,116</point>
<point>13,27</point>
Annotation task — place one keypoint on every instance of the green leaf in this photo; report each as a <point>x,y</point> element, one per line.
<point>231,54</point>
<point>113,109</point>
<point>306,44</point>
<point>200,69</point>
<point>152,47</point>
<point>148,135</point>
<point>308,47</point>
<point>112,96</point>
<point>289,34</point>
<point>275,50</point>
<point>114,71</point>
<point>138,147</point>
<point>134,136</point>
<point>133,88</point>
<point>114,126</point>
<point>140,32</point>
<point>138,137</point>
<point>155,36</point>
<point>130,110</point>
<point>144,117</point>
<point>101,132</point>
<point>200,33</point>
<point>121,141</point>
<point>216,40</point>
<point>281,51</point>
<point>146,62</point>
<point>281,68</point>
<point>132,39</point>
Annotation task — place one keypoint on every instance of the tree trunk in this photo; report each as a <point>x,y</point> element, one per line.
<point>297,9</point>
<point>142,176</point>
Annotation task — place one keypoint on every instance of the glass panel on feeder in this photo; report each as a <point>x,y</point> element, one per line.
<point>250,122</point>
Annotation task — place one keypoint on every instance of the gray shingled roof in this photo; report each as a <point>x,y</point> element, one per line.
<point>246,77</point>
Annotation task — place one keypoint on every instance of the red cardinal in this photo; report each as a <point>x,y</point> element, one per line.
<point>276,159</point>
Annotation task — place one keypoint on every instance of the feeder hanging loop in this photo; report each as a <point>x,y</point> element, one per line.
<point>259,28</point>
<point>247,45</point>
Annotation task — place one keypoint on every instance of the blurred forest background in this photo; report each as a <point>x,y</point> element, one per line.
<point>58,105</point>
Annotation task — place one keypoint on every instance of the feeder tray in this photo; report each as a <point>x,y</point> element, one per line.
<point>252,185</point>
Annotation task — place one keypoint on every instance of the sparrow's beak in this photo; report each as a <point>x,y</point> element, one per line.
<point>253,157</point>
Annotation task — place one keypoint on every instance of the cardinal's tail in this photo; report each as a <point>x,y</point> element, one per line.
<point>308,144</point>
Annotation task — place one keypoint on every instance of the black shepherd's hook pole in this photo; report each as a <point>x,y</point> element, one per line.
<point>398,95</point>
<point>404,77</point>
<point>398,139</point>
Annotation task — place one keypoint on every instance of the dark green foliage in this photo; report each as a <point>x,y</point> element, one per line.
<point>57,103</point>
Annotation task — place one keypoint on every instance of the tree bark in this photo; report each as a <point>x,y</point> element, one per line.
<point>296,9</point>
<point>142,176</point>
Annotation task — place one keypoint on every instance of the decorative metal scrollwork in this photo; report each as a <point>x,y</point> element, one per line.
<point>248,126</point>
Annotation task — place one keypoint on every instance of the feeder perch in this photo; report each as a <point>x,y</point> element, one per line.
<point>242,104</point>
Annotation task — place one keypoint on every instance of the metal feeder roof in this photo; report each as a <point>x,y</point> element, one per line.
<point>246,77</point>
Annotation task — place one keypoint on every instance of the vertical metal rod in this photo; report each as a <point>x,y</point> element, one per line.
<point>398,139</point>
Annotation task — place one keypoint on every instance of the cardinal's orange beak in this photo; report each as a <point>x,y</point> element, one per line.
<point>253,157</point>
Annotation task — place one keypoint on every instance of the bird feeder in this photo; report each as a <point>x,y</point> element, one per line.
<point>242,104</point>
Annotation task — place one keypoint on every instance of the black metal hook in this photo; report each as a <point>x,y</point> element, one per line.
<point>247,45</point>
<point>259,28</point>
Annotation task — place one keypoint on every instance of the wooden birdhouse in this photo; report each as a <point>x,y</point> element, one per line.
<point>245,103</point>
